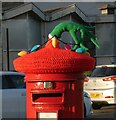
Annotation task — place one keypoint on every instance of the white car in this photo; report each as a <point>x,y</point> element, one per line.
<point>13,94</point>
<point>101,85</point>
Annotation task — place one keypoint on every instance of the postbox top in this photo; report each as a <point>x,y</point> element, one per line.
<point>53,60</point>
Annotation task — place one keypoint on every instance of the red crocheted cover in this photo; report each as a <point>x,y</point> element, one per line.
<point>53,60</point>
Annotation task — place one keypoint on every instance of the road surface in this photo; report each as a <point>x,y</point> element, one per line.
<point>105,113</point>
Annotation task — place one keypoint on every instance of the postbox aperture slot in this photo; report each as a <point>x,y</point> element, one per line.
<point>48,98</point>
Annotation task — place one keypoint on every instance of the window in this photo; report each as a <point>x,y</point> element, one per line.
<point>13,81</point>
<point>102,72</point>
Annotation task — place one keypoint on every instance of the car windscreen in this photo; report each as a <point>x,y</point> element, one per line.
<point>12,81</point>
<point>102,72</point>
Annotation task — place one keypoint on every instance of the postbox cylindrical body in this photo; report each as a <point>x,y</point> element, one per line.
<point>61,97</point>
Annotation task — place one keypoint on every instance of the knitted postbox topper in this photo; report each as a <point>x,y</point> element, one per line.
<point>53,59</point>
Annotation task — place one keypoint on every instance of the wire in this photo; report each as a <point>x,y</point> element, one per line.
<point>67,43</point>
<point>41,45</point>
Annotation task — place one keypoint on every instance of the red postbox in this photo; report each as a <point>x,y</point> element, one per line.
<point>54,83</point>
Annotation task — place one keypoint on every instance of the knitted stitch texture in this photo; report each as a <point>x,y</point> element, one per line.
<point>53,60</point>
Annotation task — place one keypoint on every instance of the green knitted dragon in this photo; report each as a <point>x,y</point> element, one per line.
<point>72,28</point>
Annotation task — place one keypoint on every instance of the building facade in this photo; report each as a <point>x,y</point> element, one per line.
<point>106,30</point>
